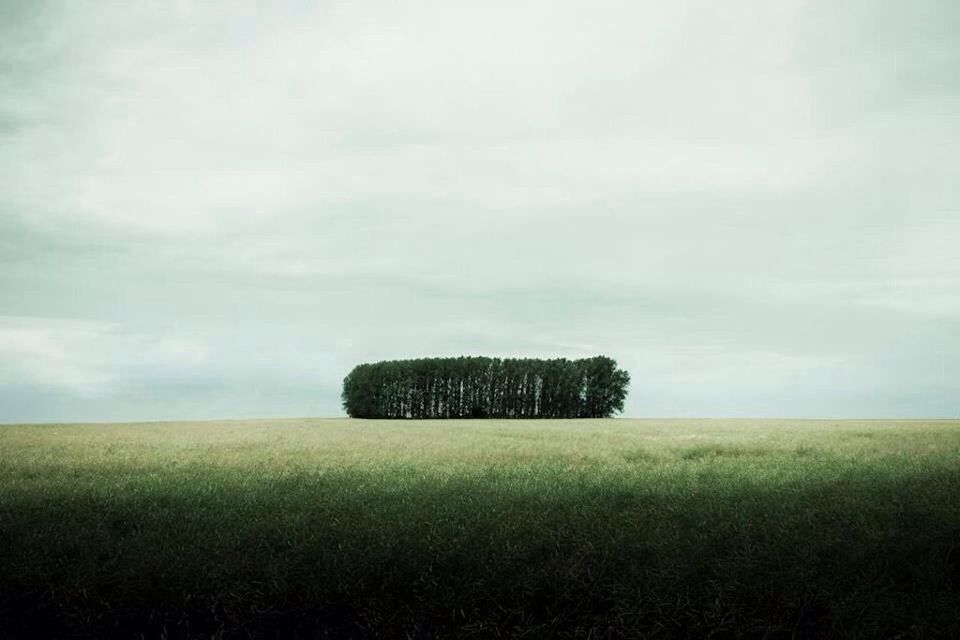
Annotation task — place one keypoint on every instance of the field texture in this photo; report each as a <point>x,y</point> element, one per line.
<point>600,528</point>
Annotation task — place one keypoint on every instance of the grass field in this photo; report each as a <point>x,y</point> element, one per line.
<point>603,528</point>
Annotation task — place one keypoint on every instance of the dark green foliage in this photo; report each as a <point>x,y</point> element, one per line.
<point>480,387</point>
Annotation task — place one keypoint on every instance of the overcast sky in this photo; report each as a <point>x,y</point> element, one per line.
<point>217,209</point>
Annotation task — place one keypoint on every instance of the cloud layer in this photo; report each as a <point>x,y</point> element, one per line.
<point>216,209</point>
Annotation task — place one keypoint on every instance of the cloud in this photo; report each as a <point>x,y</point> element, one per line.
<point>89,358</point>
<point>221,207</point>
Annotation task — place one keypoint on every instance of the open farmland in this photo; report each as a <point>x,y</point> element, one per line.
<point>620,528</point>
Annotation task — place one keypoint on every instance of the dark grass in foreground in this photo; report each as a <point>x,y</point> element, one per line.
<point>615,528</point>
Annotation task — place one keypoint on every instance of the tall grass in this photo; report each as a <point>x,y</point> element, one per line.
<point>615,528</point>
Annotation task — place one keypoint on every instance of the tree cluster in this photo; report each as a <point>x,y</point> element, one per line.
<point>481,387</point>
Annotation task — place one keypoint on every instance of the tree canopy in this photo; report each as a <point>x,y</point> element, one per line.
<point>482,387</point>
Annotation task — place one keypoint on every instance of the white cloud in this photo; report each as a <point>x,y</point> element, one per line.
<point>264,194</point>
<point>88,358</point>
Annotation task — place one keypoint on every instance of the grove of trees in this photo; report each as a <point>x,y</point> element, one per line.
<point>481,387</point>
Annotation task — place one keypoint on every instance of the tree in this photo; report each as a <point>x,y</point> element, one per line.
<point>481,387</point>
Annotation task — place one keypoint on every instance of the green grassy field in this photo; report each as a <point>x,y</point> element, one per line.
<point>601,528</point>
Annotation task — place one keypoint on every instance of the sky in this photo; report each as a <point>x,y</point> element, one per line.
<point>217,209</point>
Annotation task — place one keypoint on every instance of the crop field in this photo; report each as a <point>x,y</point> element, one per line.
<point>494,528</point>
